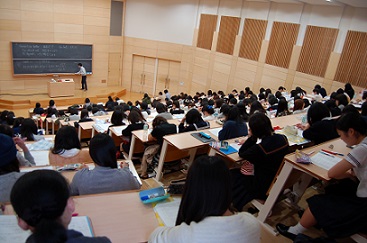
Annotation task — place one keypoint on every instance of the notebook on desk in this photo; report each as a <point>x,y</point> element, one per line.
<point>11,232</point>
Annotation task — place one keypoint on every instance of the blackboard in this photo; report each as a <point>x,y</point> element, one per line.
<point>46,58</point>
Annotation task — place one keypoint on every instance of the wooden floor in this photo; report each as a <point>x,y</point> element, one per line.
<point>281,211</point>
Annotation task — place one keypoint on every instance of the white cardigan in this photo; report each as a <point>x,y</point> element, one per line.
<point>241,227</point>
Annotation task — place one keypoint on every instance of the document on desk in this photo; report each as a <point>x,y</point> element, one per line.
<point>118,129</point>
<point>167,211</point>
<point>11,232</point>
<point>101,128</point>
<point>215,131</point>
<point>324,160</point>
<point>40,157</point>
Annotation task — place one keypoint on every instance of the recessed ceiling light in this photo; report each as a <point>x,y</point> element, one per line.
<point>328,0</point>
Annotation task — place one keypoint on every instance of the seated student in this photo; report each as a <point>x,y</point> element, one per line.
<point>341,100</point>
<point>84,116</point>
<point>262,161</point>
<point>105,177</point>
<point>162,111</point>
<point>234,126</point>
<point>9,167</point>
<point>87,103</point>
<point>299,106</point>
<point>41,199</point>
<point>316,95</point>
<point>208,113</point>
<point>333,108</point>
<point>38,109</point>
<point>117,118</point>
<point>282,108</point>
<point>51,104</point>
<point>74,114</point>
<point>273,102</point>
<point>96,111</point>
<point>146,99</point>
<point>256,106</point>
<point>161,128</point>
<point>3,115</point>
<point>205,213</point>
<point>176,109</point>
<point>348,89</point>
<point>322,90</point>
<point>29,130</point>
<point>51,112</point>
<point>137,122</point>
<point>320,127</point>
<point>341,211</point>
<point>110,104</point>
<point>17,124</point>
<point>67,143</point>
<point>144,109</point>
<point>27,159</point>
<point>193,121</point>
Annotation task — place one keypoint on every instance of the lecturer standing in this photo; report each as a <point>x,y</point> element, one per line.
<point>84,76</point>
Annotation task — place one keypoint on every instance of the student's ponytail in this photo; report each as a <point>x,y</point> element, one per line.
<point>49,231</point>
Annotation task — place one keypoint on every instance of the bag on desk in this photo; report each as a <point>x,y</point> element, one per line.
<point>176,186</point>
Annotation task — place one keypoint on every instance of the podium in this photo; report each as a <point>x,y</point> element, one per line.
<point>63,87</point>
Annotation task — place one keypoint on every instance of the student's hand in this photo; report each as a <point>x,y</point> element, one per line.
<point>247,168</point>
<point>303,127</point>
<point>242,140</point>
<point>20,142</point>
<point>183,119</point>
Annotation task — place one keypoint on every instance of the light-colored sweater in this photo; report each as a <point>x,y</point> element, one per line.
<point>241,227</point>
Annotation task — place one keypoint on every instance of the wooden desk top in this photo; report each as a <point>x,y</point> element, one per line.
<point>314,170</point>
<point>120,216</point>
<point>287,120</point>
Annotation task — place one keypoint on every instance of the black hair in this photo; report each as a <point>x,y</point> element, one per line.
<point>260,125</point>
<point>352,120</point>
<point>257,106</point>
<point>342,99</point>
<point>38,105</point>
<point>66,138</point>
<point>51,103</point>
<point>350,108</point>
<point>243,111</point>
<point>282,106</point>
<point>102,150</point>
<point>193,116</point>
<point>272,99</point>
<point>28,129</point>
<point>315,90</point>
<point>317,112</point>
<point>80,64</point>
<point>218,103</point>
<point>262,96</point>
<point>234,115</point>
<point>10,118</point>
<point>207,190</point>
<point>135,116</point>
<point>208,109</point>
<point>224,109</point>
<point>87,100</point>
<point>84,114</point>
<point>233,101</point>
<point>39,198</point>
<point>161,108</point>
<point>95,110</point>
<point>278,94</point>
<point>158,120</point>
<point>117,117</point>
<point>13,166</point>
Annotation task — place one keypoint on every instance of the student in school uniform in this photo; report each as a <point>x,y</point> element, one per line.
<point>162,111</point>
<point>105,177</point>
<point>161,128</point>
<point>67,143</point>
<point>41,199</point>
<point>192,122</point>
<point>29,130</point>
<point>320,127</point>
<point>205,214</point>
<point>38,109</point>
<point>282,109</point>
<point>341,211</point>
<point>261,161</point>
<point>9,167</point>
<point>176,109</point>
<point>137,122</point>
<point>234,126</point>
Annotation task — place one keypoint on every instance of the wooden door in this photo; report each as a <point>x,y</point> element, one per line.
<point>162,76</point>
<point>114,71</point>
<point>173,81</point>
<point>149,75</point>
<point>138,74</point>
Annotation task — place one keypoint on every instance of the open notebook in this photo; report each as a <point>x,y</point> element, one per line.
<point>166,212</point>
<point>11,232</point>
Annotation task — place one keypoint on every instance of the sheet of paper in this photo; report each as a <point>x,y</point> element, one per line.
<point>29,169</point>
<point>167,211</point>
<point>215,131</point>
<point>101,128</point>
<point>235,146</point>
<point>40,157</point>
<point>325,161</point>
<point>118,130</point>
<point>11,232</point>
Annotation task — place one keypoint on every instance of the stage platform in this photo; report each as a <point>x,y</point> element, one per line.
<point>25,99</point>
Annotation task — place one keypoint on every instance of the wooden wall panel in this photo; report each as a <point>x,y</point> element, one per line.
<point>317,46</point>
<point>283,38</point>
<point>352,67</point>
<point>208,24</point>
<point>228,31</point>
<point>252,37</point>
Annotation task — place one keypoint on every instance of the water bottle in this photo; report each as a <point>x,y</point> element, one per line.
<point>145,128</point>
